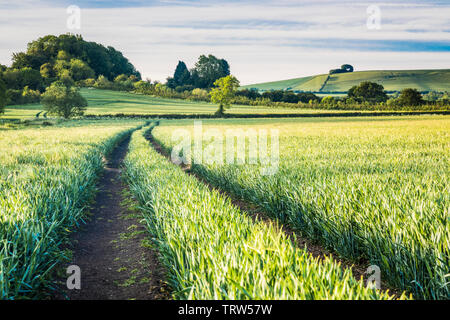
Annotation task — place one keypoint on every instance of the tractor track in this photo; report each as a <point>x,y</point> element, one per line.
<point>112,249</point>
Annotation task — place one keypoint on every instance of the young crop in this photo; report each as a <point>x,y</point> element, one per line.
<point>212,250</point>
<point>47,177</point>
<point>371,189</point>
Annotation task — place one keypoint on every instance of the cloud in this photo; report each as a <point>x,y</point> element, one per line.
<point>262,40</point>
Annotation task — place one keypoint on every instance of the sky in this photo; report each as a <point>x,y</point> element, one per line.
<point>262,40</point>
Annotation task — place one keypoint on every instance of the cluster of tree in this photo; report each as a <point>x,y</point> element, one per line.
<point>437,97</point>
<point>368,92</point>
<point>120,83</point>
<point>67,58</point>
<point>408,98</point>
<point>286,96</point>
<point>206,71</point>
<point>20,85</point>
<point>371,96</point>
<point>55,56</point>
<point>365,96</point>
<point>345,68</point>
<point>162,90</point>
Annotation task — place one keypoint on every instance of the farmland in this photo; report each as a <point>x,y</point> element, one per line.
<point>214,251</point>
<point>369,189</point>
<point>392,80</point>
<point>225,159</point>
<point>47,179</point>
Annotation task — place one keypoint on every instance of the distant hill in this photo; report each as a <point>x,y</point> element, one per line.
<point>392,80</point>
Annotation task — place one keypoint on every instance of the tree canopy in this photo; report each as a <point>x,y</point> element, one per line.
<point>410,97</point>
<point>52,54</point>
<point>224,92</point>
<point>207,70</point>
<point>67,58</point>
<point>64,101</point>
<point>368,92</point>
<point>345,68</point>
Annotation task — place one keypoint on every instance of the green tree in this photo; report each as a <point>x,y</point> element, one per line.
<point>2,96</point>
<point>368,91</point>
<point>79,70</point>
<point>64,101</point>
<point>181,75</point>
<point>120,78</point>
<point>224,92</point>
<point>410,97</point>
<point>328,101</point>
<point>347,68</point>
<point>103,83</point>
<point>20,78</point>
<point>102,60</point>
<point>47,71</point>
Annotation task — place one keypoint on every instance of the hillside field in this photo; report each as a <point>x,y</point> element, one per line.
<point>392,80</point>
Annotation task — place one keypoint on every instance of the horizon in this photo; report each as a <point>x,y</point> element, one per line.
<point>263,42</point>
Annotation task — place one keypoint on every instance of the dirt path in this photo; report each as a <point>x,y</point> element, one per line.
<point>113,249</point>
<point>258,214</point>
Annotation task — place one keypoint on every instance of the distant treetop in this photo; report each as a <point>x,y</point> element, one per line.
<point>345,68</point>
<point>206,71</point>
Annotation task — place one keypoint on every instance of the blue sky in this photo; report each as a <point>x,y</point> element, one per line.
<point>262,40</point>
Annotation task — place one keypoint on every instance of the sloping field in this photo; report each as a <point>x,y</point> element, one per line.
<point>374,189</point>
<point>281,85</point>
<point>107,102</point>
<point>392,80</point>
<point>423,80</point>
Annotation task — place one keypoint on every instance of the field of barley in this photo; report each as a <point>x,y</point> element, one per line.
<point>373,190</point>
<point>47,178</point>
<point>212,250</point>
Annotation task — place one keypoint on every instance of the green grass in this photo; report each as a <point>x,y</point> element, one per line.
<point>212,250</point>
<point>392,80</point>
<point>47,177</point>
<point>21,111</point>
<point>367,188</point>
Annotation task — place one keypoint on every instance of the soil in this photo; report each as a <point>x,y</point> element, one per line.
<point>113,250</point>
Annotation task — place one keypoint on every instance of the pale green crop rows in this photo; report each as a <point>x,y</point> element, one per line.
<point>46,178</point>
<point>374,189</point>
<point>212,250</point>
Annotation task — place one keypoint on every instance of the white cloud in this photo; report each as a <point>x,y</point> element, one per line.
<point>262,42</point>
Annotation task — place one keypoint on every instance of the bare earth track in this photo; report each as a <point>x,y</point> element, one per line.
<point>113,250</point>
